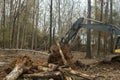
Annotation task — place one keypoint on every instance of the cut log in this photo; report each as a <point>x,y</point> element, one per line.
<point>43,75</point>
<point>41,68</point>
<point>2,63</point>
<point>83,75</point>
<point>66,73</point>
<point>76,73</point>
<point>68,78</point>
<point>15,73</point>
<point>51,67</point>
<point>20,66</point>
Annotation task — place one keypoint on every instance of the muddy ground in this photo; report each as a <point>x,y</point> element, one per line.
<point>105,71</point>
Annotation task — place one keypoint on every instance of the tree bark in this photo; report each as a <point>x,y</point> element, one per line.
<point>26,30</point>
<point>10,24</point>
<point>43,75</point>
<point>36,27</point>
<point>59,19</point>
<point>33,28</point>
<point>111,20</point>
<point>3,25</point>
<point>14,32</point>
<point>50,43</point>
<point>106,21</point>
<point>99,33</point>
<point>23,37</point>
<point>88,55</point>
<point>18,25</point>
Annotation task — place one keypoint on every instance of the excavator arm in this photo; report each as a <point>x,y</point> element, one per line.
<point>70,35</point>
<point>73,31</point>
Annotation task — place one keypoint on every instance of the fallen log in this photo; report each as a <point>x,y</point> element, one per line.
<point>27,50</point>
<point>66,73</point>
<point>83,75</point>
<point>68,78</point>
<point>46,69</point>
<point>42,68</point>
<point>21,64</point>
<point>43,75</point>
<point>2,63</point>
<point>72,72</point>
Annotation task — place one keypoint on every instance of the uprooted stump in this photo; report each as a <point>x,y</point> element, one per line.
<point>61,55</point>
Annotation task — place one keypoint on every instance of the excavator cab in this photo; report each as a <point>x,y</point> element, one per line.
<point>117,45</point>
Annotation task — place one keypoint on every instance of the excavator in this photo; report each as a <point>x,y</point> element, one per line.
<point>70,36</point>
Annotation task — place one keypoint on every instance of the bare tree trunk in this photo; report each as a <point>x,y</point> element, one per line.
<point>18,25</point>
<point>50,25</point>
<point>98,46</point>
<point>111,20</point>
<point>44,29</point>
<point>88,55</point>
<point>37,20</point>
<point>15,14</point>
<point>10,24</point>
<point>59,21</point>
<point>106,20</point>
<point>23,36</point>
<point>96,12</point>
<point>53,35</point>
<point>3,24</point>
<point>99,33</point>
<point>25,41</point>
<point>33,28</point>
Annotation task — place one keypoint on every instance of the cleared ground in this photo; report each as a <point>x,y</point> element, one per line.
<point>109,71</point>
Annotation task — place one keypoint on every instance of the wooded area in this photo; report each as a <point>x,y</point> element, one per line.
<point>36,24</point>
<point>25,23</point>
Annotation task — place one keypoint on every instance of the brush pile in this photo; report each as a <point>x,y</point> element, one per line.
<point>24,68</point>
<point>58,67</point>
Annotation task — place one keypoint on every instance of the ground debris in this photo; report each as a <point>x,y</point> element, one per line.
<point>103,70</point>
<point>23,67</point>
<point>36,67</point>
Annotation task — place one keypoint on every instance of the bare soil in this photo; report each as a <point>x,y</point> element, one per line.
<point>109,71</point>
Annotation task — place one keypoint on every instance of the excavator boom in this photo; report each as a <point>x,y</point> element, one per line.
<point>70,35</point>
